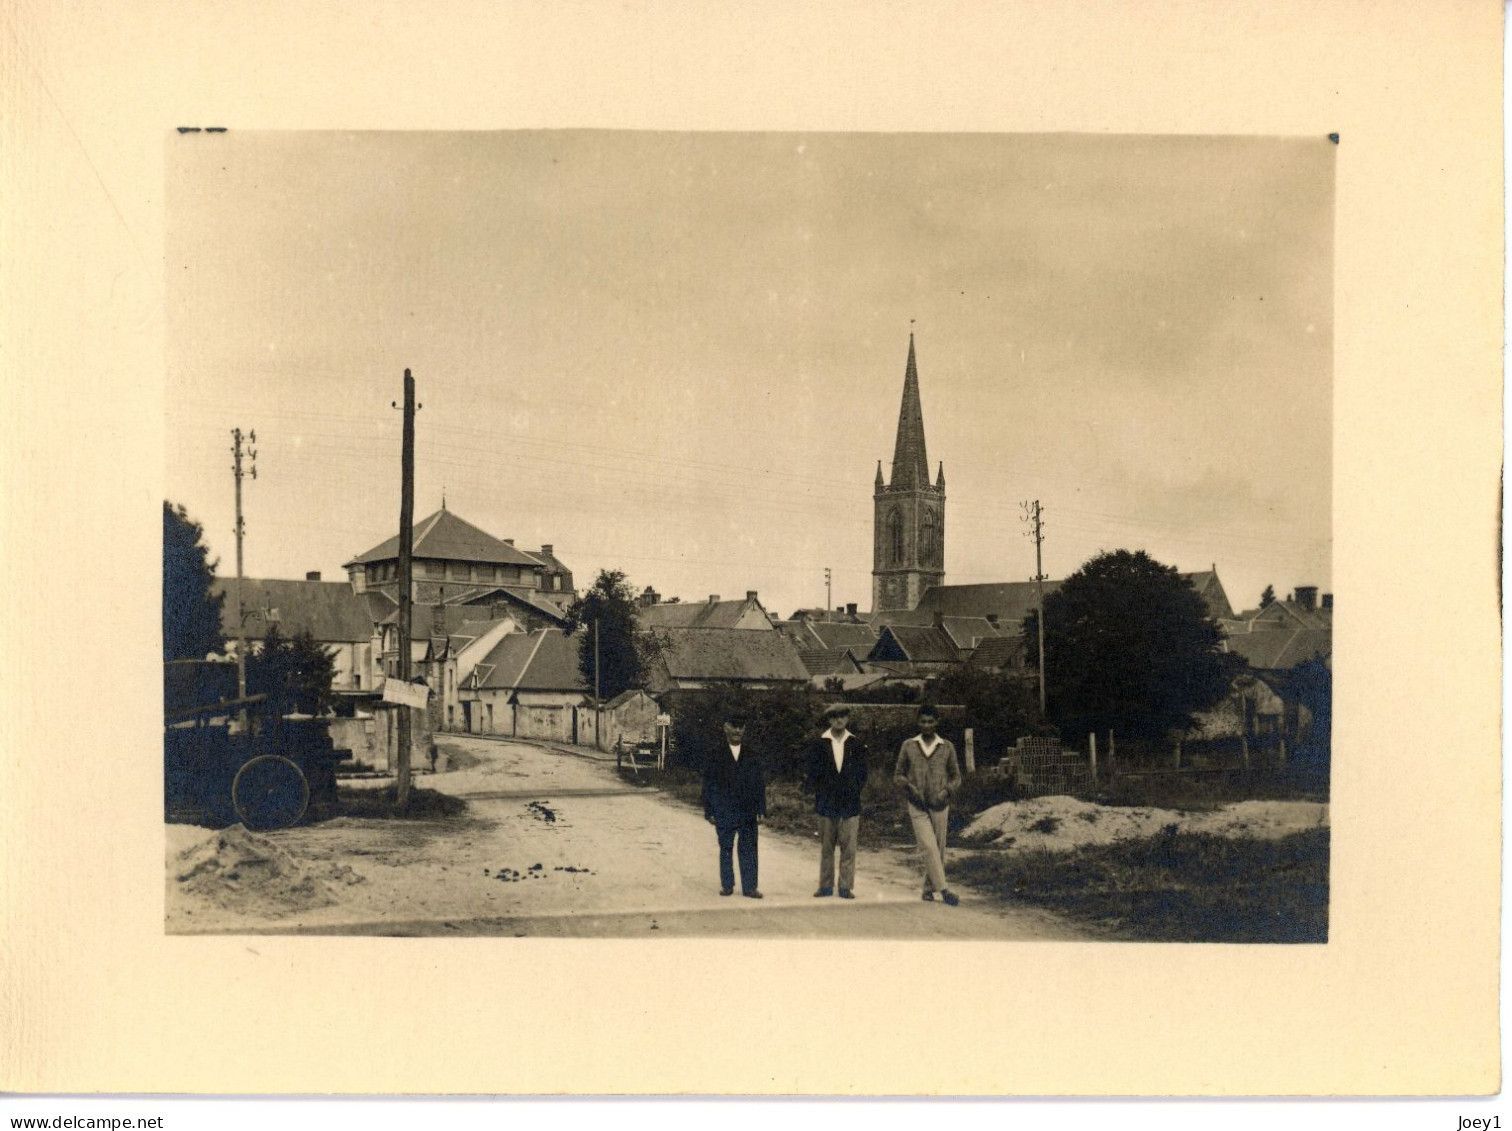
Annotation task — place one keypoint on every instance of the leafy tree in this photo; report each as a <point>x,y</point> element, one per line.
<point>623,652</point>
<point>998,707</point>
<point>779,720</point>
<point>1268,597</point>
<point>294,672</point>
<point>1128,646</point>
<point>191,610</point>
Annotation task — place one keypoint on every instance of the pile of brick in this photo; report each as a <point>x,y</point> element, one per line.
<point>1040,766</point>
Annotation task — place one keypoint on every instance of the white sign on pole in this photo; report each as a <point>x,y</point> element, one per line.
<point>409,694</point>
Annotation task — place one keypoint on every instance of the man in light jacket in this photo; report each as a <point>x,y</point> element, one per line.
<point>929,775</point>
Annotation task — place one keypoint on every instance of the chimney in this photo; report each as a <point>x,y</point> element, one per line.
<point>649,597</point>
<point>850,610</point>
<point>713,598</point>
<point>992,619</point>
<point>546,548</point>
<point>750,594</point>
<point>939,620</point>
<point>1307,596</point>
<point>1328,601</point>
<point>313,575</point>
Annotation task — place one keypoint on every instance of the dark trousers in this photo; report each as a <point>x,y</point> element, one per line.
<point>746,851</point>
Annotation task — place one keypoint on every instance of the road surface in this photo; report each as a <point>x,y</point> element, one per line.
<point>594,857</point>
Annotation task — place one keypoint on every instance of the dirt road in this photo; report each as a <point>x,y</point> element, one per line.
<point>556,844</point>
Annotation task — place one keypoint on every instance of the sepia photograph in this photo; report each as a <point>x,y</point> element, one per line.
<point>640,534</point>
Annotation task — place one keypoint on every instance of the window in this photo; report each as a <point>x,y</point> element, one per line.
<point>435,569</point>
<point>927,539</point>
<point>895,536</point>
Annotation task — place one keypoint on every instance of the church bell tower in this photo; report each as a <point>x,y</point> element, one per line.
<point>908,515</point>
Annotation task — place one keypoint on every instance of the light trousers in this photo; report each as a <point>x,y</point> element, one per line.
<point>841,831</point>
<point>929,834</point>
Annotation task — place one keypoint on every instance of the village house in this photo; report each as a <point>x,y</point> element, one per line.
<point>335,617</point>
<point>528,685</point>
<point>713,613</point>
<point>695,658</point>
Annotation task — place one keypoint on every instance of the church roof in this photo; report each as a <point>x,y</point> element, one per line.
<point>910,469</point>
<point>445,537</point>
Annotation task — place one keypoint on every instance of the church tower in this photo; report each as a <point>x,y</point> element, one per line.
<point>908,515</point>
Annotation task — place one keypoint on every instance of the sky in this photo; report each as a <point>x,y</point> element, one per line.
<point>681,355</point>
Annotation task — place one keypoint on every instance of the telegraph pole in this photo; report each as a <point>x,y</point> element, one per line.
<point>829,599</point>
<point>598,707</point>
<point>241,613</point>
<point>406,569</point>
<point>1034,516</point>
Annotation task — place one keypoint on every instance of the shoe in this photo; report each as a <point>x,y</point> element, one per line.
<point>929,896</point>
<point>950,898</point>
<point>726,891</point>
<point>822,892</point>
<point>753,895</point>
<point>846,893</point>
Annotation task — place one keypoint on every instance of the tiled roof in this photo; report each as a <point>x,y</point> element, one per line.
<point>698,614</point>
<point>474,595</point>
<point>967,632</point>
<point>445,537</point>
<point>1210,589</point>
<point>544,660</point>
<point>834,634</point>
<point>827,661</point>
<point>380,605</point>
<point>998,652</point>
<point>921,644</point>
<point>728,654</point>
<point>328,610</point>
<point>1279,649</point>
<point>1009,601</point>
<point>1293,615</point>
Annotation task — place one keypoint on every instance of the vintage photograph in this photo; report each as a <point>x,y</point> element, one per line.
<point>632,534</point>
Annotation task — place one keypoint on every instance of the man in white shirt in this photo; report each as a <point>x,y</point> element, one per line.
<point>837,773</point>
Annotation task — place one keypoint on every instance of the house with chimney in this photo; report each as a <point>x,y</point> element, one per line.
<point>336,618</point>
<point>457,563</point>
<point>529,685</point>
<point>746,614</point>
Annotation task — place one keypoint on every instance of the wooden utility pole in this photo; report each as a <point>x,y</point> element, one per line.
<point>1034,516</point>
<point>829,599</point>
<point>598,708</point>
<point>406,570</point>
<point>241,612</point>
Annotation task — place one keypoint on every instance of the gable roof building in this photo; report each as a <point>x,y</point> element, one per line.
<point>713,613</point>
<point>914,644</point>
<point>693,658</point>
<point>328,610</point>
<point>544,660</point>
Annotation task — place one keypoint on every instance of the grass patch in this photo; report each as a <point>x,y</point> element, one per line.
<point>1176,887</point>
<point>1194,793</point>
<point>425,804</point>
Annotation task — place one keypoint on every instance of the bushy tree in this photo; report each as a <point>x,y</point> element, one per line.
<point>1268,597</point>
<point>294,672</point>
<point>999,708</point>
<point>1129,647</point>
<point>623,653</point>
<point>191,610</point>
<point>781,721</point>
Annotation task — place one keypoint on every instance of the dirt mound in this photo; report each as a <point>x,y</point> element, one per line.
<point>1058,824</point>
<point>239,871</point>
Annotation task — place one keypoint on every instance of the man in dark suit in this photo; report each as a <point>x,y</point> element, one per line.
<point>836,773</point>
<point>734,799</point>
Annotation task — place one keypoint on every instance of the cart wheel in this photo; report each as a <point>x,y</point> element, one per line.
<point>269,792</point>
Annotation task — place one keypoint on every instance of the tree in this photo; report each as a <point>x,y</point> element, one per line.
<point>294,672</point>
<point>1268,597</point>
<point>623,652</point>
<point>999,708</point>
<point>1129,647</point>
<point>191,609</point>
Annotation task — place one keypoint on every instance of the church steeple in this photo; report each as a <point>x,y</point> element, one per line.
<point>908,514</point>
<point>910,468</point>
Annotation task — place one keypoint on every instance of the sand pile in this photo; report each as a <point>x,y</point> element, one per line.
<point>236,870</point>
<point>1058,824</point>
